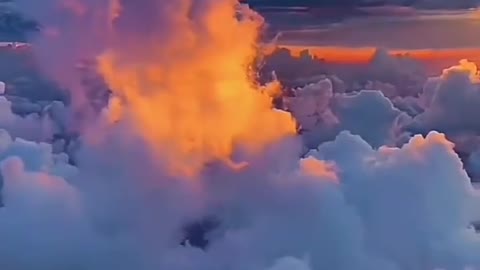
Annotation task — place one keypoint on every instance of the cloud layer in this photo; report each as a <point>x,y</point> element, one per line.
<point>357,189</point>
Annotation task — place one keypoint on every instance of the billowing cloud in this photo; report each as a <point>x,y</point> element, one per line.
<point>273,214</point>
<point>448,98</point>
<point>391,174</point>
<point>192,80</point>
<point>183,90</point>
<point>322,114</point>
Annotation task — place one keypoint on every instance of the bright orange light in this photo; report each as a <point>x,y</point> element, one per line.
<point>363,55</point>
<point>192,94</point>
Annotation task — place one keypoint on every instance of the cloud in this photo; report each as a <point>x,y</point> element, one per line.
<point>73,33</point>
<point>196,64</point>
<point>378,69</point>
<point>345,206</point>
<point>448,98</point>
<point>114,206</point>
<point>289,263</point>
<point>350,203</point>
<point>378,184</point>
<point>33,126</point>
<point>322,114</point>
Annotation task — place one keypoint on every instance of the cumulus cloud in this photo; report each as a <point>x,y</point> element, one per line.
<point>73,33</point>
<point>322,114</point>
<point>33,126</point>
<point>350,203</point>
<point>344,200</point>
<point>435,103</point>
<point>394,75</point>
<point>289,263</point>
<point>393,174</point>
<point>448,98</point>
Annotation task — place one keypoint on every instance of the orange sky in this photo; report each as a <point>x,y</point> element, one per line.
<point>362,55</point>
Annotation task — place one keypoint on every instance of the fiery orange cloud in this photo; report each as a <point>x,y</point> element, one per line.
<point>193,95</point>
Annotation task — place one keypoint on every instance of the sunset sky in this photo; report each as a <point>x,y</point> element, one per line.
<point>444,4</point>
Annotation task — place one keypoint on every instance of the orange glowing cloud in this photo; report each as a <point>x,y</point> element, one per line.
<point>191,93</point>
<point>418,142</point>
<point>418,145</point>
<point>318,168</point>
<point>467,67</point>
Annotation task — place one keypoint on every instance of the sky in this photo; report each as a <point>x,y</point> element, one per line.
<point>353,3</point>
<point>391,28</point>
